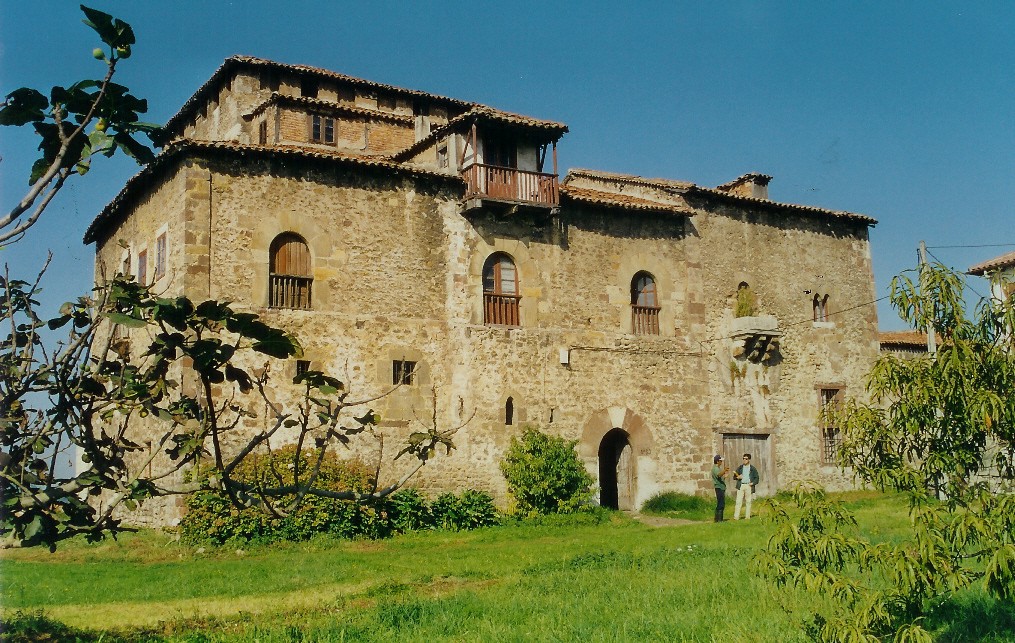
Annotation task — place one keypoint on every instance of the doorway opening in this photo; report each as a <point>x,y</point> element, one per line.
<point>616,471</point>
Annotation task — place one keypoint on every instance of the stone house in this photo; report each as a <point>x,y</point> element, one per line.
<point>418,239</point>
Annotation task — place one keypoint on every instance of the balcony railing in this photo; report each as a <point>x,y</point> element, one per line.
<point>511,184</point>
<point>645,320</point>
<point>500,310</point>
<point>287,291</point>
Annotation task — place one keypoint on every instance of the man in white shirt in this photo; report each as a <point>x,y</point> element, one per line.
<point>747,478</point>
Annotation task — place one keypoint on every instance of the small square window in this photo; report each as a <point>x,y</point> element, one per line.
<point>442,156</point>
<point>302,367</point>
<point>403,372</point>
<point>322,129</point>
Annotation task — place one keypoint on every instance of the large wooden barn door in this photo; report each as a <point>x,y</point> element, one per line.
<point>735,445</point>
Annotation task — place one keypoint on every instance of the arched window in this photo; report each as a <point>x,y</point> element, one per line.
<point>644,305</point>
<point>820,308</point>
<point>500,291</point>
<point>290,274</point>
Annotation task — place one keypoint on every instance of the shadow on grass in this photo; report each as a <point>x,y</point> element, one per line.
<point>973,619</point>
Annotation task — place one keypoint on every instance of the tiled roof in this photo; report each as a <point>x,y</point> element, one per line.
<point>793,207</point>
<point>181,149</point>
<point>903,338</point>
<point>686,187</point>
<point>628,178</point>
<point>329,106</point>
<point>194,102</point>
<point>625,201</point>
<point>993,265</point>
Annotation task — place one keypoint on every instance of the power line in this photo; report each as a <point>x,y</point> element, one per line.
<point>985,245</point>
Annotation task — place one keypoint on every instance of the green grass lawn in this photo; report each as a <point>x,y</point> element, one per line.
<point>618,581</point>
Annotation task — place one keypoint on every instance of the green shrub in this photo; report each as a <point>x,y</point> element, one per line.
<point>471,510</point>
<point>545,475</point>
<point>409,511</point>
<point>36,626</point>
<point>673,502</point>
<point>212,518</point>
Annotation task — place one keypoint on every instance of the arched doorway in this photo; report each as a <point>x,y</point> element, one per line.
<point>616,471</point>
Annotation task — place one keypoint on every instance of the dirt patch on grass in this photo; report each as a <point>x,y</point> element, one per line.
<point>662,521</point>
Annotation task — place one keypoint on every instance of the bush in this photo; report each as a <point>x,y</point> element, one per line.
<point>409,511</point>
<point>545,475</point>
<point>673,502</point>
<point>212,518</point>
<point>471,510</point>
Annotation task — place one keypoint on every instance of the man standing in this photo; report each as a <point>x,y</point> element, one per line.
<point>719,482</point>
<point>747,478</point>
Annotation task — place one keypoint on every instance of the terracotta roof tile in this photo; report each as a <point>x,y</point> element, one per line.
<point>625,201</point>
<point>1006,260</point>
<point>903,338</point>
<point>690,188</point>
<point>627,178</point>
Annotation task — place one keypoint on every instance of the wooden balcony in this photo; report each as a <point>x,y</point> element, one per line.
<point>511,185</point>
<point>288,291</point>
<point>645,320</point>
<point>500,310</point>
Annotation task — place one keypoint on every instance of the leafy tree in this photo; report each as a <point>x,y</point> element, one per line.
<point>145,388</point>
<point>76,123</point>
<point>544,474</point>
<point>940,429</point>
<point>137,367</point>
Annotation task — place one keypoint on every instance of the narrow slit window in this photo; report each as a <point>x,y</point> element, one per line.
<point>142,267</point>
<point>831,436</point>
<point>509,411</point>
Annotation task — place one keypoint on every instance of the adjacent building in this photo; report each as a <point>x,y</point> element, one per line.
<point>414,239</point>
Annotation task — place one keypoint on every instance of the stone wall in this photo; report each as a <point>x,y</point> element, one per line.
<point>397,274</point>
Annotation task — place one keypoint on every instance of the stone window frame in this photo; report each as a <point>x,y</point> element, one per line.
<point>820,309</point>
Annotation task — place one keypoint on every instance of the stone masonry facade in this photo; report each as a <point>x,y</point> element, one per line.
<point>654,321</point>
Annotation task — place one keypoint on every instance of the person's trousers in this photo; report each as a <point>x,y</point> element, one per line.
<point>743,497</point>
<point>720,503</point>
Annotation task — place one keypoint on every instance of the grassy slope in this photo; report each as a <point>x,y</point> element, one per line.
<point>618,581</point>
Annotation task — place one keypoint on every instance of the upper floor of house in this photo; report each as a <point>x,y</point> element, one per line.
<point>504,159</point>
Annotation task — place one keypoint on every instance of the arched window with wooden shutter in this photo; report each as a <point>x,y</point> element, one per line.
<point>500,291</point>
<point>644,305</point>
<point>290,272</point>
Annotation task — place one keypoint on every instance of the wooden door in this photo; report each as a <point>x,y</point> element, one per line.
<point>735,445</point>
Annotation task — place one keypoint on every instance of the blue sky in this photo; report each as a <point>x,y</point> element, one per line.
<point>901,110</point>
